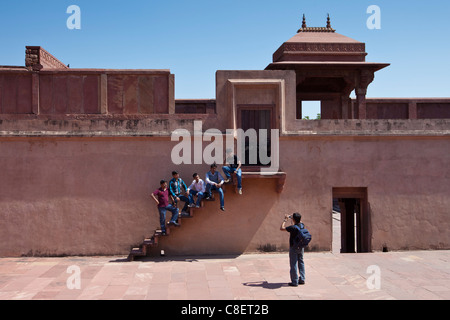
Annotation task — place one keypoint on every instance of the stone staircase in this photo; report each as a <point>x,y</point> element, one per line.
<point>144,248</point>
<point>153,241</point>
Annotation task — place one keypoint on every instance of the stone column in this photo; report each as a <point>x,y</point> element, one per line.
<point>412,110</point>
<point>346,107</point>
<point>298,111</point>
<point>361,102</point>
<point>171,93</point>
<point>103,97</point>
<point>35,92</point>
<point>346,101</point>
<point>365,78</point>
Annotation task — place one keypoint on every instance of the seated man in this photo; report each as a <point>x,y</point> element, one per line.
<point>197,187</point>
<point>175,186</point>
<point>214,181</point>
<point>161,197</point>
<point>233,166</point>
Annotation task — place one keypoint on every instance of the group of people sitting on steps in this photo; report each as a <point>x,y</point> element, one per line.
<point>214,181</point>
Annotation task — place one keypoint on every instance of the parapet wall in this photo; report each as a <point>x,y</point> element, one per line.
<point>407,108</point>
<point>86,92</point>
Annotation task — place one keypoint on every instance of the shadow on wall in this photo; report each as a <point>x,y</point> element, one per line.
<point>233,232</point>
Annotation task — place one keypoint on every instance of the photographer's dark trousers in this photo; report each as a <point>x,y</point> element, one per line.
<point>297,265</point>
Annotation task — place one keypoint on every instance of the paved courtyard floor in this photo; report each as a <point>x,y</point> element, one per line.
<point>413,275</point>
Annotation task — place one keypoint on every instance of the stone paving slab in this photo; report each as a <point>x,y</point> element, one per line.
<point>413,275</point>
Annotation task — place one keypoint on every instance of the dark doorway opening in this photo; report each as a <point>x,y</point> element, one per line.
<point>350,208</point>
<point>256,117</point>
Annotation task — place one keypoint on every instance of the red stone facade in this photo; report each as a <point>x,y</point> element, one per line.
<point>81,150</point>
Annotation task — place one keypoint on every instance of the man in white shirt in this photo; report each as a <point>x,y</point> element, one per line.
<point>197,188</point>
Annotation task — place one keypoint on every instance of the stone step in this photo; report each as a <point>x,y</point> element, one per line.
<point>136,252</point>
<point>148,242</point>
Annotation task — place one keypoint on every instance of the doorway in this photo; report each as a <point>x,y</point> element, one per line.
<point>350,220</point>
<point>256,117</point>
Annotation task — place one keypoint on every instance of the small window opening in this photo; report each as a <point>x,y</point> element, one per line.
<point>311,110</point>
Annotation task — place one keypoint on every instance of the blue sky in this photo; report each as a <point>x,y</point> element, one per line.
<point>195,38</point>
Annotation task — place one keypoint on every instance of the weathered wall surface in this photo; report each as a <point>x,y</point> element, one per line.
<point>74,197</point>
<point>87,196</point>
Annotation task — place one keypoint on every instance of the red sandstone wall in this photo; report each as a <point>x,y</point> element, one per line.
<point>77,92</point>
<point>15,93</point>
<point>91,196</point>
<point>85,190</point>
<point>408,108</point>
<point>407,180</point>
<point>87,196</point>
<point>143,94</point>
<point>69,94</point>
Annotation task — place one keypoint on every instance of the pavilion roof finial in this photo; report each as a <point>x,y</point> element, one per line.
<point>305,28</point>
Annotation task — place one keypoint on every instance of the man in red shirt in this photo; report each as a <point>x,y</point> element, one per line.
<point>161,197</point>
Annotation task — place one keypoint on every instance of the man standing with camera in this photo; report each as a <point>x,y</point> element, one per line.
<point>295,254</point>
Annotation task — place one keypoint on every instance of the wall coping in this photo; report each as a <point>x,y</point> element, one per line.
<point>164,125</point>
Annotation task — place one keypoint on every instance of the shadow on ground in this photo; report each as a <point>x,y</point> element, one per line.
<point>265,285</point>
<point>178,258</point>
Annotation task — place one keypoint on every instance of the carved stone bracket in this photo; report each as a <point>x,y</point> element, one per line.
<point>365,78</point>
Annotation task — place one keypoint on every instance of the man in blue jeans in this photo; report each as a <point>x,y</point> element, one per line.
<point>197,188</point>
<point>214,181</point>
<point>295,256</point>
<point>161,197</point>
<point>176,186</point>
<point>233,166</point>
